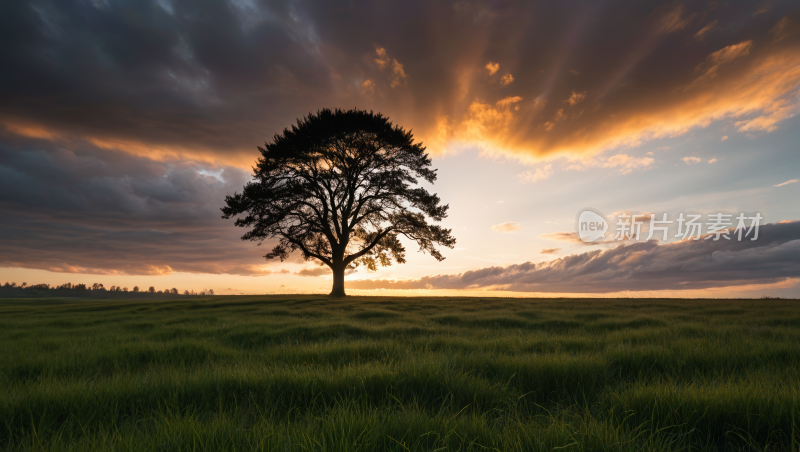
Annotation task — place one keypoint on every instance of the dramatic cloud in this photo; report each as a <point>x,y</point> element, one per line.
<point>793,181</point>
<point>88,210</point>
<point>211,80</point>
<point>774,257</point>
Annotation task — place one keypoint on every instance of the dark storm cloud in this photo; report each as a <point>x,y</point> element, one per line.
<point>85,210</point>
<point>195,75</point>
<point>774,257</point>
<point>213,79</point>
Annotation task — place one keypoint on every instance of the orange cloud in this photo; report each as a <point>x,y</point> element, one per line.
<point>758,96</point>
<point>382,61</point>
<point>575,98</point>
<point>63,267</point>
<point>485,123</point>
<point>492,68</point>
<point>155,151</point>
<point>720,57</point>
<point>368,86</point>
<point>399,75</point>
<point>398,72</point>
<point>508,101</point>
<point>30,130</point>
<point>703,32</point>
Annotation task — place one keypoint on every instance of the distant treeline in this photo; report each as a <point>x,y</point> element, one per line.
<point>96,290</point>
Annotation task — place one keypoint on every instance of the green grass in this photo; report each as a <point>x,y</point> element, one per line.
<point>285,373</point>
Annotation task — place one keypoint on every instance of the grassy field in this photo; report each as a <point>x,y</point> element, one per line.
<point>286,373</point>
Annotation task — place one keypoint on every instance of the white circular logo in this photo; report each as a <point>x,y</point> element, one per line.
<point>590,224</point>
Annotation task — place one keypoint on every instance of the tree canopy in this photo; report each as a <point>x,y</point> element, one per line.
<point>341,187</point>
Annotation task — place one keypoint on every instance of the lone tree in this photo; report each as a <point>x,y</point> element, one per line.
<point>340,188</point>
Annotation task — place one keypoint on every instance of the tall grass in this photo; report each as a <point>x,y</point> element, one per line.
<point>283,373</point>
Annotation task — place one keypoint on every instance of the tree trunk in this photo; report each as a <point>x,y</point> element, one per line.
<point>338,282</point>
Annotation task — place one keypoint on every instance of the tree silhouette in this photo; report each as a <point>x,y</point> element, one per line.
<point>339,187</point>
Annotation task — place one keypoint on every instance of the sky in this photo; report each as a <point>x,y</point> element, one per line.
<point>124,124</point>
